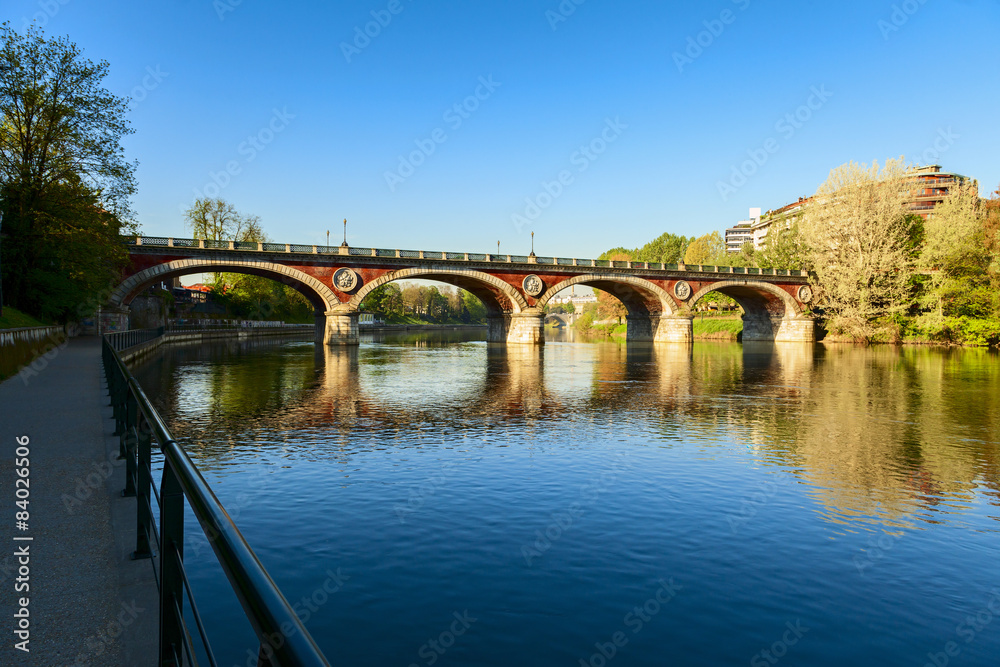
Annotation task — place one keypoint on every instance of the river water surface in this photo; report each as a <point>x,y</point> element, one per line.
<point>431,500</point>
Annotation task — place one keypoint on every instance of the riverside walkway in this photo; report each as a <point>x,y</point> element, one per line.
<point>88,603</point>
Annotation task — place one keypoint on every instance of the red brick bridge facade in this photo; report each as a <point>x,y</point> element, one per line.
<point>660,299</point>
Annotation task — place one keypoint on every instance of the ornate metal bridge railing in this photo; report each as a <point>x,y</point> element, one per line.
<point>290,248</point>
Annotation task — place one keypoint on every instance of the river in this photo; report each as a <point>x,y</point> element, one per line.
<point>428,499</point>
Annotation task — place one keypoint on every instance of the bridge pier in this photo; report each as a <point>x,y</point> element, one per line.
<point>672,328</point>
<point>341,328</point>
<point>779,329</point>
<point>525,328</point>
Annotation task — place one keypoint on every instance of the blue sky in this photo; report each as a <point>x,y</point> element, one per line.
<point>667,99</point>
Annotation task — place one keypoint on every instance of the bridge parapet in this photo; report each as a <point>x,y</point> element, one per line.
<point>159,242</point>
<point>514,288</point>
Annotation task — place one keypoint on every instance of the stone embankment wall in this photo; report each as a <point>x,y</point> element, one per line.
<point>172,337</point>
<point>19,347</point>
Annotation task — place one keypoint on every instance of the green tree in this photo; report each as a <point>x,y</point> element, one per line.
<point>956,256</point>
<point>218,220</point>
<point>475,308</point>
<point>385,301</point>
<point>705,249</point>
<point>64,181</point>
<point>860,237</point>
<point>783,249</point>
<point>667,249</point>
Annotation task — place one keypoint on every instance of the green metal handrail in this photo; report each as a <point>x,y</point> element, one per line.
<point>284,640</point>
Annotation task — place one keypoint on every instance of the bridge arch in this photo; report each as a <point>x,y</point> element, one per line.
<point>498,297</point>
<point>641,298</point>
<point>319,295</point>
<point>758,299</point>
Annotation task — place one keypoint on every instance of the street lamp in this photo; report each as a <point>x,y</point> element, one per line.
<point>344,244</point>
<point>532,245</point>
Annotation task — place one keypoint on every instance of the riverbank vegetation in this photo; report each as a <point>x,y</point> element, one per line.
<point>880,271</point>
<point>65,185</point>
<point>408,303</point>
<point>13,318</point>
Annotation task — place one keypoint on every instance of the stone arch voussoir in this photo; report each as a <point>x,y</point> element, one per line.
<point>517,301</point>
<point>641,285</point>
<point>124,293</point>
<point>792,308</point>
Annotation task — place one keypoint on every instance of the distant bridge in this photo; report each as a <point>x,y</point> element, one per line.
<point>659,298</point>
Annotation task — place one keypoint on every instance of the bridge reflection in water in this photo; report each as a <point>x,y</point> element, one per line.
<point>755,463</point>
<point>848,438</point>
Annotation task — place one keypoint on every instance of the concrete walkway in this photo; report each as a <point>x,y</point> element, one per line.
<point>89,604</point>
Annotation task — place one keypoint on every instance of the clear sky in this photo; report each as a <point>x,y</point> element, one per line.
<point>316,121</point>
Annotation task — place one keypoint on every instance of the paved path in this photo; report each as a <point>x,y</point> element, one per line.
<point>89,604</point>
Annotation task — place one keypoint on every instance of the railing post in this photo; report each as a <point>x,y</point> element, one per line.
<point>144,500</point>
<point>128,443</point>
<point>138,240</point>
<point>171,553</point>
<point>201,243</point>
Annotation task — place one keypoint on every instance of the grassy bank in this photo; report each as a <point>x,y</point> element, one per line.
<point>15,319</point>
<point>417,321</point>
<point>717,328</point>
<point>928,329</point>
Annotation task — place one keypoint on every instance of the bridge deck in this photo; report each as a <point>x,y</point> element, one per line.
<point>344,254</point>
<point>83,586</point>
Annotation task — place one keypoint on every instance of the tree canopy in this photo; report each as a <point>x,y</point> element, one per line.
<point>65,185</point>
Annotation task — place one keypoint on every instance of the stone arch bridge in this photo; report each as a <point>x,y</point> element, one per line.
<point>660,298</point>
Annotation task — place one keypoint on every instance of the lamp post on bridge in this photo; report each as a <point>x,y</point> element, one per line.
<point>344,244</point>
<point>532,245</point>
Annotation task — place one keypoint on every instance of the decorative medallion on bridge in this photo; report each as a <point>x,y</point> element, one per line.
<point>682,290</point>
<point>533,285</point>
<point>805,294</point>
<point>345,280</point>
